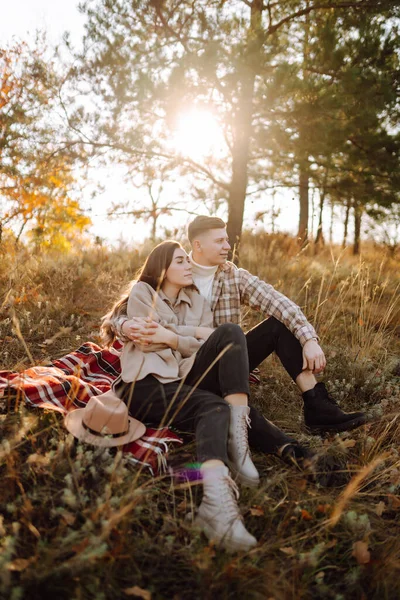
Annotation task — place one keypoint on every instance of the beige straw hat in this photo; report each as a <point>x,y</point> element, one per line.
<point>104,422</point>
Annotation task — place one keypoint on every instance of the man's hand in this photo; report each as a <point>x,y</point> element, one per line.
<point>313,357</point>
<point>137,327</point>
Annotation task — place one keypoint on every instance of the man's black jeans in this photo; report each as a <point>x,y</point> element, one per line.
<point>273,336</point>
<point>268,336</point>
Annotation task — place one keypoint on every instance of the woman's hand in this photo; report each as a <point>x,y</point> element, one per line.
<point>158,334</point>
<point>313,357</point>
<point>137,327</point>
<point>203,333</point>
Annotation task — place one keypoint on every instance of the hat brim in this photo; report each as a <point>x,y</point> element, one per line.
<point>73,422</point>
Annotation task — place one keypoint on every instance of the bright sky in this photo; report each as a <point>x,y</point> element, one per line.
<point>21,19</point>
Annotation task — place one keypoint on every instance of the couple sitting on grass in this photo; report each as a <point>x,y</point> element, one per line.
<point>186,363</point>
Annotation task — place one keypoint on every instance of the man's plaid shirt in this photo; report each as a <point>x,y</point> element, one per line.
<point>233,288</point>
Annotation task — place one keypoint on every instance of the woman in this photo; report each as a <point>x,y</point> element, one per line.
<point>191,376</point>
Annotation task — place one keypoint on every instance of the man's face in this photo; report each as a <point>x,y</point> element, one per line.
<point>211,247</point>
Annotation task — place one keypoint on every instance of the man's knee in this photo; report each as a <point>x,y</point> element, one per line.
<point>275,327</point>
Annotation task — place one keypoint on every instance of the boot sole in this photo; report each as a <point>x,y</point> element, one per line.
<point>226,543</point>
<point>242,479</point>
<point>348,426</point>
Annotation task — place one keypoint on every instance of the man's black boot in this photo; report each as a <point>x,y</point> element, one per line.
<point>322,413</point>
<point>297,455</point>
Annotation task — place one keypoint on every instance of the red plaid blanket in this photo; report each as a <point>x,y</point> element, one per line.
<point>68,383</point>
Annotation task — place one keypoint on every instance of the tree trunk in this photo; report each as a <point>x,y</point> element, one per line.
<point>322,192</point>
<point>304,165</point>
<point>320,236</point>
<point>236,200</point>
<point>304,178</point>
<point>273,213</point>
<point>154,218</point>
<point>331,223</point>
<point>357,227</point>
<point>20,232</point>
<point>242,129</point>
<point>346,223</point>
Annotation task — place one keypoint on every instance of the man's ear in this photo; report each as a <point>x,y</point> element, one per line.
<point>196,245</point>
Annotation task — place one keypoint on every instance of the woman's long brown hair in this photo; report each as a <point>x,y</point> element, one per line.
<point>152,272</point>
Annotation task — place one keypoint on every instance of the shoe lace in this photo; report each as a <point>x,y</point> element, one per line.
<point>243,432</point>
<point>231,496</point>
<point>328,397</point>
<point>331,400</point>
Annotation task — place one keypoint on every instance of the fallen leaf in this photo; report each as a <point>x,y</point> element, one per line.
<point>350,443</point>
<point>301,484</point>
<point>395,500</point>
<point>81,546</point>
<point>305,515</point>
<point>379,508</point>
<point>27,523</point>
<point>361,552</point>
<point>19,564</point>
<point>324,508</point>
<point>256,511</point>
<point>33,530</point>
<point>139,592</point>
<point>204,559</point>
<point>38,459</point>
<point>289,551</point>
<point>182,506</point>
<point>68,517</point>
<point>395,477</point>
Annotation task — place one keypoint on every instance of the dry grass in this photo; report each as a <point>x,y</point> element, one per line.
<point>79,523</point>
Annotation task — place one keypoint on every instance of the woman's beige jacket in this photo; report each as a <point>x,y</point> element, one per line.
<point>190,311</point>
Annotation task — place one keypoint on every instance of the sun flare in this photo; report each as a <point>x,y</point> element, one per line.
<point>198,135</point>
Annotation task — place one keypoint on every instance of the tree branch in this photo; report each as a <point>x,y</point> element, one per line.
<point>318,6</point>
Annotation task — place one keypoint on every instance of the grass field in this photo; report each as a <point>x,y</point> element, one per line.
<point>80,523</point>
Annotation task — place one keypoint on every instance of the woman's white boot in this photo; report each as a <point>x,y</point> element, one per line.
<point>240,463</point>
<point>219,516</point>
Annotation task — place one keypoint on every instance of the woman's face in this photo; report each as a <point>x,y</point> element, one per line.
<point>179,272</point>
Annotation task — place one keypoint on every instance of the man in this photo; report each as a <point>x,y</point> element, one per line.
<point>285,331</point>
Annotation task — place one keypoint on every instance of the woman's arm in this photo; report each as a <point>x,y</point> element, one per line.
<point>188,343</point>
<point>142,302</point>
<point>149,335</point>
